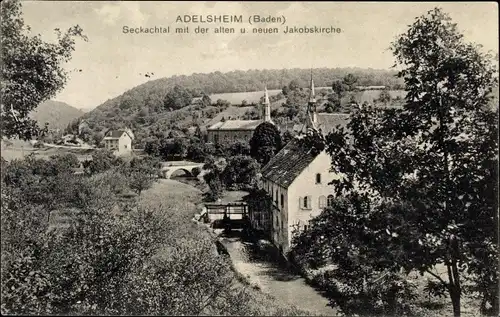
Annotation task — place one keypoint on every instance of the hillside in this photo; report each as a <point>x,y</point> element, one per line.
<point>57,114</point>
<point>163,104</point>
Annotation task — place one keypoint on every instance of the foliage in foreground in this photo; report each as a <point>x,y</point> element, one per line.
<point>98,253</point>
<point>420,185</point>
<point>32,70</point>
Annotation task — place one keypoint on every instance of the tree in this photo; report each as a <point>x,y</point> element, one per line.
<point>265,142</point>
<point>241,172</point>
<point>32,70</point>
<point>293,85</point>
<point>152,147</point>
<point>177,98</point>
<point>198,133</point>
<point>339,88</point>
<point>237,147</point>
<point>179,147</point>
<point>287,137</point>
<point>140,181</point>
<point>199,151</point>
<point>349,81</point>
<point>214,181</point>
<point>415,176</point>
<point>196,171</point>
<point>449,84</point>
<point>384,96</point>
<point>206,101</point>
<point>102,160</point>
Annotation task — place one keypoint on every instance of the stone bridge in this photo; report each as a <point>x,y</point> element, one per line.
<point>168,168</point>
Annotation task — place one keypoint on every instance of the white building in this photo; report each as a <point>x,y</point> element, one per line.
<point>297,180</point>
<point>118,141</point>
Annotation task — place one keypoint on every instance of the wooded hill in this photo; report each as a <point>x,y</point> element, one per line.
<point>164,104</point>
<point>57,114</point>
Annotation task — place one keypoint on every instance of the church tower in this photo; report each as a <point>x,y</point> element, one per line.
<point>311,116</point>
<point>267,107</point>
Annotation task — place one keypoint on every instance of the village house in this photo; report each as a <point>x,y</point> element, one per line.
<point>119,141</point>
<point>297,180</point>
<point>242,130</point>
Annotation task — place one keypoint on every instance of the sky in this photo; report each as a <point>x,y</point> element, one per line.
<point>113,62</point>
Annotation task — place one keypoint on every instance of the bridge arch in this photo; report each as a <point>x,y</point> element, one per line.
<point>185,170</point>
<point>170,170</point>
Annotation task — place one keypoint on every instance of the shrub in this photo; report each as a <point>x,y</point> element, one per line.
<point>196,171</point>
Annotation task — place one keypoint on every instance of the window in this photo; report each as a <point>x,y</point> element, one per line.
<point>305,227</point>
<point>322,201</point>
<point>282,201</point>
<point>276,197</point>
<point>318,178</point>
<point>329,202</point>
<point>305,202</point>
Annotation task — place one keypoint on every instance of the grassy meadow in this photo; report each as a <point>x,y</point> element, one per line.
<point>235,98</point>
<point>179,202</point>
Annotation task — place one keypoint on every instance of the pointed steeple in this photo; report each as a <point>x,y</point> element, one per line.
<point>311,107</point>
<point>312,95</point>
<point>267,107</point>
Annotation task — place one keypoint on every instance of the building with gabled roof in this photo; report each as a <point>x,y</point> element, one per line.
<point>297,179</point>
<point>242,130</point>
<point>118,141</point>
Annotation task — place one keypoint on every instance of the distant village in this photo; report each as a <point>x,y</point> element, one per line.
<point>295,179</point>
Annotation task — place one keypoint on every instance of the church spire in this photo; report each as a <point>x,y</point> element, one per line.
<point>267,106</point>
<point>311,107</point>
<point>312,96</point>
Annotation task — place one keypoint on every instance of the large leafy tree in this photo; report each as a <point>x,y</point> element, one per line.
<point>339,88</point>
<point>265,142</point>
<point>177,98</point>
<point>241,172</point>
<point>349,81</point>
<point>420,185</point>
<point>32,70</point>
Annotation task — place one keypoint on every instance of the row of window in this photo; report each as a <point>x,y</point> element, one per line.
<point>305,202</point>
<point>227,137</point>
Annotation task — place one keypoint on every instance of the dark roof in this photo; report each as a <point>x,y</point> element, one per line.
<point>115,134</point>
<point>288,163</point>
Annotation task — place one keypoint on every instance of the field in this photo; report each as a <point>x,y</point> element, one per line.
<point>232,112</point>
<point>180,203</point>
<point>21,150</point>
<point>236,98</point>
<point>369,95</point>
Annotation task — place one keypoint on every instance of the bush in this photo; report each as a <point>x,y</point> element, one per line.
<point>241,172</point>
<point>196,171</point>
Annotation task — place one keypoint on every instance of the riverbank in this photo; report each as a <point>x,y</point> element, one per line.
<point>180,202</point>
<point>259,262</point>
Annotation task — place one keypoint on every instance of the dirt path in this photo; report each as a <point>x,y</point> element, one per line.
<point>258,265</point>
